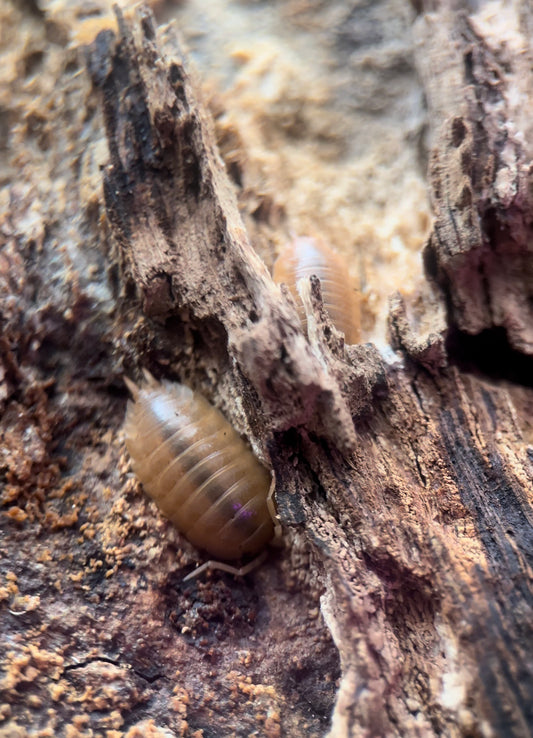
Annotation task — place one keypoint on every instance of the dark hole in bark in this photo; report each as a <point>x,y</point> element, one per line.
<point>489,353</point>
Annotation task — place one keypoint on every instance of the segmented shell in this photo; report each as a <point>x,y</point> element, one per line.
<point>198,470</point>
<point>304,257</point>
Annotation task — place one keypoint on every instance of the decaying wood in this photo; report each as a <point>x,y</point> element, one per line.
<point>405,488</point>
<point>172,209</point>
<point>477,76</point>
<point>392,513</point>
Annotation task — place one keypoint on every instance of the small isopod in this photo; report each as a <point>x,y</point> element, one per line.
<point>199,471</point>
<point>306,256</point>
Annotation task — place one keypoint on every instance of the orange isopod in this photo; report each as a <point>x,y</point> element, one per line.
<point>306,256</point>
<point>198,470</point>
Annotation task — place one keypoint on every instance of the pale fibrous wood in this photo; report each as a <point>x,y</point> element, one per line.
<point>403,483</point>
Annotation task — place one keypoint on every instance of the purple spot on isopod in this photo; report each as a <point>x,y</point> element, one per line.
<point>241,513</point>
<point>246,514</point>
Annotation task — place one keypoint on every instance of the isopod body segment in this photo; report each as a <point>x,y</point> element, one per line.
<point>198,470</point>
<point>306,256</point>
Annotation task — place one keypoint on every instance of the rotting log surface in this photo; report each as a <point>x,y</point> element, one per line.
<point>477,76</point>
<point>410,483</point>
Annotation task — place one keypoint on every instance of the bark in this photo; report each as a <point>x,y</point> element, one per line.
<point>404,487</point>
<point>480,169</point>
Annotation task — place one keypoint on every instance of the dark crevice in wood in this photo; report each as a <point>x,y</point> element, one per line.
<point>489,354</point>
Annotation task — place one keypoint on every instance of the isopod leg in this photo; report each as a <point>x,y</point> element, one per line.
<point>221,566</point>
<point>273,512</point>
<point>150,379</point>
<point>132,387</point>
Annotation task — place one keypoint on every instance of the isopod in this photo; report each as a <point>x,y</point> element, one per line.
<point>306,256</point>
<point>198,470</point>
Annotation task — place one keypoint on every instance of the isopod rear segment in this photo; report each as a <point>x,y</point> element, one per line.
<point>304,257</point>
<point>198,470</point>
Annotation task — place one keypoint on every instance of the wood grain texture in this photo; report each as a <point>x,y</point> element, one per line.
<point>478,80</point>
<point>414,514</point>
<point>183,219</point>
